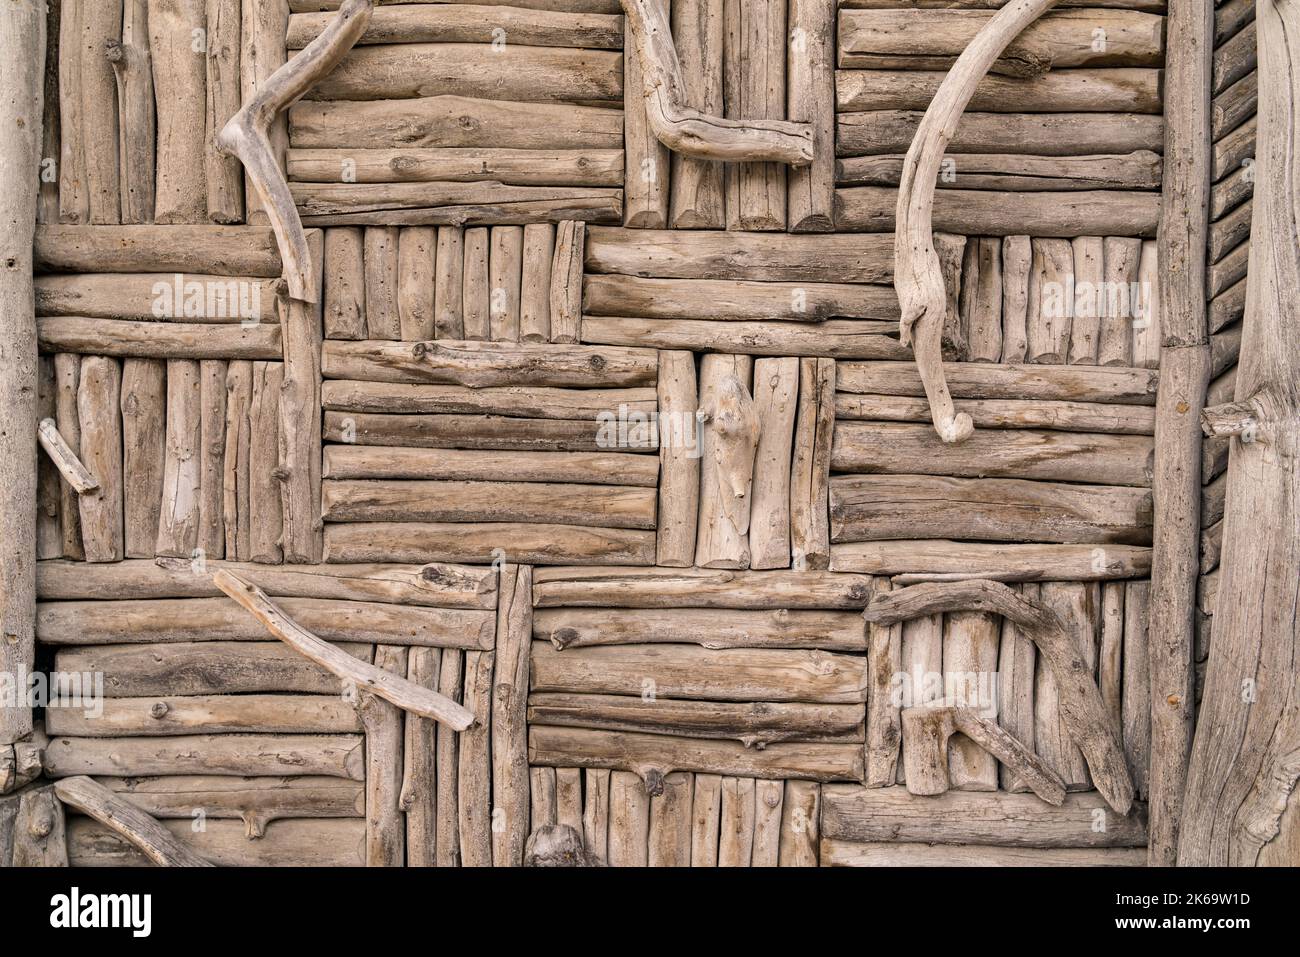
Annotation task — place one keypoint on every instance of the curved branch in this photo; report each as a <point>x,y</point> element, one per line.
<point>247,137</point>
<point>142,830</point>
<point>1081,706</point>
<point>917,276</point>
<point>686,130</point>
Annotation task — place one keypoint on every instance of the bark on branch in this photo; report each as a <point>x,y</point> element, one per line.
<point>917,276</point>
<point>247,137</point>
<point>1082,707</point>
<point>688,131</point>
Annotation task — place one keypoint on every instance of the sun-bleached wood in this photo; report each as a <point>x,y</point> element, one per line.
<point>697,588</point>
<point>510,717</point>
<point>99,395</point>
<point>385,827</point>
<point>139,828</point>
<point>679,460</point>
<point>728,442</point>
<point>64,458</point>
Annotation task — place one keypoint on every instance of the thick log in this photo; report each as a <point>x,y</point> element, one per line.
<point>800,824</point>
<point>225,181</point>
<point>542,787</point>
<point>452,204</point>
<point>710,628</point>
<point>418,797</point>
<point>211,454</point>
<point>647,188</point>
<point>49,534</point>
<point>365,677</point>
<point>978,212</point>
<point>1232,151</point>
<point>67,376</point>
<point>515,72</point>
<point>753,75</point>
<point>98,408</point>
<point>1014,173</point>
<point>1051,302</point>
<point>265,522</point>
<point>736,822</point>
<point>236,480</point>
<point>385,828</point>
<point>685,671</point>
<point>505,270</point>
<point>873,508</point>
<point>1234,106</point>
<point>481,542</point>
<point>509,729</point>
<point>480,365</point>
<point>1004,413</point>
<point>653,756</point>
<point>1065,135</point>
<point>535,283</point>
<point>449,266</point>
<point>415,276</point>
<point>240,755</point>
<point>1131,90</point>
<point>970,654</point>
<point>1089,274</point>
<point>629,821</point>
<point>731,299</point>
<point>160,297</point>
<point>835,338</point>
<point>202,668</point>
<point>837,853</point>
<point>1017,265</point>
<point>568,797</point>
<point>595,814</point>
<point>474,797</point>
<point>300,425</point>
<point>136,826</point>
<point>1081,705</point>
<point>768,796</point>
<point>884,729</point>
<point>483,432</point>
<point>454,122</point>
<point>212,250</point>
<point>453,23</point>
<point>811,99</point>
<point>727,446</point>
<point>136,119</point>
<point>380,258</point>
<point>776,391</point>
<point>810,465</point>
<point>153,340</point>
<point>696,200</point>
<point>22,62</point>
<point>1135,704</point>
<point>299,843</point>
<point>911,561</point>
<point>987,381</point>
<point>566,280</point>
<point>880,447</point>
<point>670,822</point>
<point>143,406</point>
<point>488,465</point>
<point>39,834</point>
<point>852,813</point>
<point>1017,667</point>
<point>679,462</point>
<point>205,714</point>
<point>344,284</point>
<point>697,588</point>
<point>981,299</point>
<point>1121,264</point>
<point>178,523</point>
<point>451,672</point>
<point>215,619</point>
<point>706,818</point>
<point>353,395</point>
<point>753,725</point>
<point>179,80</point>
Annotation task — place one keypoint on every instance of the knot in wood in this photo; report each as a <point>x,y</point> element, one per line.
<point>158,709</point>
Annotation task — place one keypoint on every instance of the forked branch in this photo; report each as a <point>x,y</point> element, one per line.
<point>248,137</point>
<point>686,130</point>
<point>1082,708</point>
<point>917,276</point>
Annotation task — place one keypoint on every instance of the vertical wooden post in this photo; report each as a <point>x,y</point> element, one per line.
<point>645,193</point>
<point>811,99</point>
<point>22,66</point>
<point>300,422</point>
<point>510,716</point>
<point>696,201</point>
<point>679,460</point>
<point>1184,377</point>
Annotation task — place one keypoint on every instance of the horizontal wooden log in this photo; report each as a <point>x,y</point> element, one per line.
<point>216,619</point>
<point>652,756</point>
<point>711,254</point>
<point>1065,91</point>
<point>756,724</point>
<point>875,447</point>
<point>348,395</point>
<point>838,853</point>
<point>707,627</point>
<point>453,122</point>
<point>916,560</point>
<point>688,671</point>
<point>300,843</point>
<point>489,465</point>
<point>170,297</point>
<point>1234,106</point>
<point>608,295</point>
<point>602,506</point>
<point>515,72</point>
<point>257,801</point>
<point>486,203</point>
<point>834,338</point>
<point>484,364</point>
<point>482,432</point>
<point>215,250</point>
<point>1151,6</point>
<point>485,541</point>
<point>436,585</point>
<point>127,821</point>
<point>697,588</point>
<point>1235,58</point>
<point>563,6</point>
<point>154,340</point>
<point>457,23</point>
<point>1010,172</point>
<point>206,714</point>
<point>512,167</point>
<point>243,755</point>
<point>202,668</point>
<point>1039,134</point>
<point>1227,233</point>
<point>969,380</point>
<point>879,507</point>
<point>1059,39</point>
<point>1005,413</point>
<point>1002,213</point>
<point>860,814</point>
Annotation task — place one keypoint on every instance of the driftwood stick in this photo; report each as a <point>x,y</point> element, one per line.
<point>61,454</point>
<point>926,731</point>
<point>365,677</point>
<point>918,277</point>
<point>688,131</point>
<point>141,829</point>
<point>247,137</point>
<point>1081,705</point>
